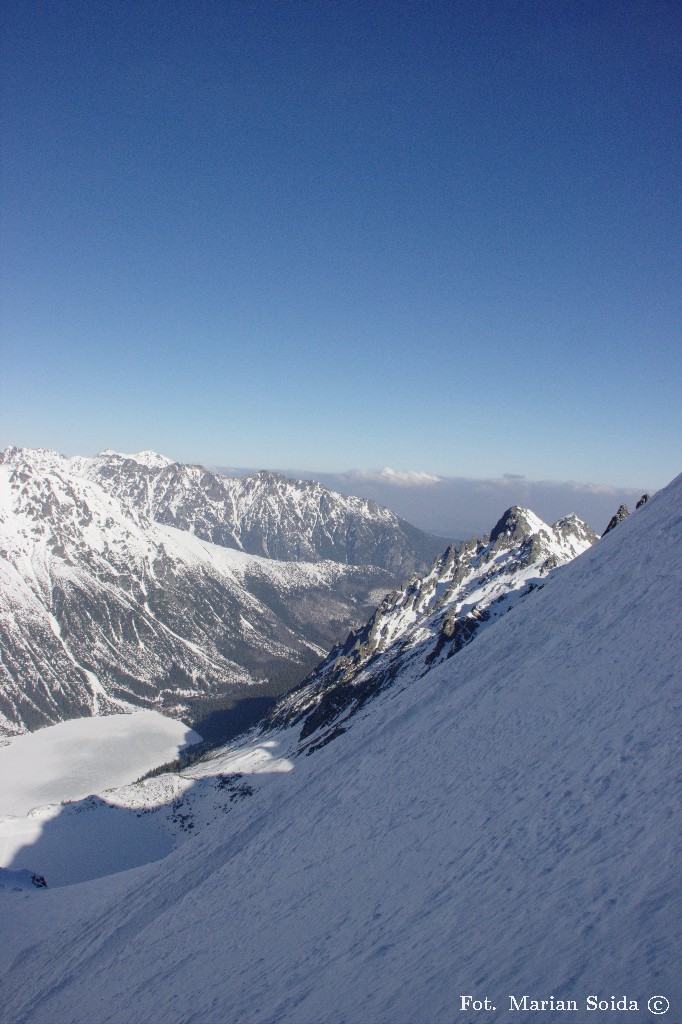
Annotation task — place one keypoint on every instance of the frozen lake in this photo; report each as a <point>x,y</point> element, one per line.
<point>88,755</point>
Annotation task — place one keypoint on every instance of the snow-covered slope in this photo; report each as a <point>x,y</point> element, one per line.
<point>263,514</point>
<point>503,824</point>
<point>102,609</point>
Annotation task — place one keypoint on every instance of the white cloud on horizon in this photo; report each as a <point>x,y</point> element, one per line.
<point>517,480</point>
<point>392,477</point>
<point>407,478</point>
<point>460,507</point>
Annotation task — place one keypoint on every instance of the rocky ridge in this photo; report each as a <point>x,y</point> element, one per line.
<point>623,513</point>
<point>264,513</point>
<point>435,615</point>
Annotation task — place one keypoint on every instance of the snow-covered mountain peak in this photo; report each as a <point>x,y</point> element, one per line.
<point>520,526</point>
<point>61,508</point>
<point>514,525</point>
<point>572,531</point>
<point>434,616</point>
<point>148,458</point>
<point>43,459</point>
<point>9,454</point>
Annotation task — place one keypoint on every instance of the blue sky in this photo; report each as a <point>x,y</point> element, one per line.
<point>437,236</point>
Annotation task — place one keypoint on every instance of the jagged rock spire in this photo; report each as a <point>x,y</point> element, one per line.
<point>620,515</point>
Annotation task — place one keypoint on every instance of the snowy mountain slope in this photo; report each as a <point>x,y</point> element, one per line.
<point>429,620</point>
<point>102,609</point>
<point>263,514</point>
<point>506,823</point>
<point>436,615</point>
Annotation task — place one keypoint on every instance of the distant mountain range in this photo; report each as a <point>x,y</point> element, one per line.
<point>263,513</point>
<point>134,581</point>
<point>457,508</point>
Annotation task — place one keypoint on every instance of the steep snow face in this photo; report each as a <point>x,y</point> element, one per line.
<point>505,823</point>
<point>102,609</point>
<point>436,615</point>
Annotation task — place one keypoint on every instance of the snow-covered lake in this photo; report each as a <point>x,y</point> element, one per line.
<point>88,755</point>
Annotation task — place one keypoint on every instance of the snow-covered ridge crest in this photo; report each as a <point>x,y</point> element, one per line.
<point>264,513</point>
<point>150,459</point>
<point>47,458</point>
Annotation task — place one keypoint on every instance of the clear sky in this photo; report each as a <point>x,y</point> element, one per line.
<point>442,236</point>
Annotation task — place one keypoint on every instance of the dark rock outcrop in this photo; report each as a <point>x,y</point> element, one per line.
<point>620,515</point>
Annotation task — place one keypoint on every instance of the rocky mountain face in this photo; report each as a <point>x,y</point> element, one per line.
<point>435,615</point>
<point>262,514</point>
<point>103,608</point>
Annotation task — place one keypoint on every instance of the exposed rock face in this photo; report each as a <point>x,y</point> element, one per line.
<point>20,881</point>
<point>434,616</point>
<point>620,515</point>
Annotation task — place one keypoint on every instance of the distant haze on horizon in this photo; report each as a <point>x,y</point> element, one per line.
<point>457,508</point>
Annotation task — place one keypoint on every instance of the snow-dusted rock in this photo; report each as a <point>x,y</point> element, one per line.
<point>436,615</point>
<point>622,513</point>
<point>264,514</point>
